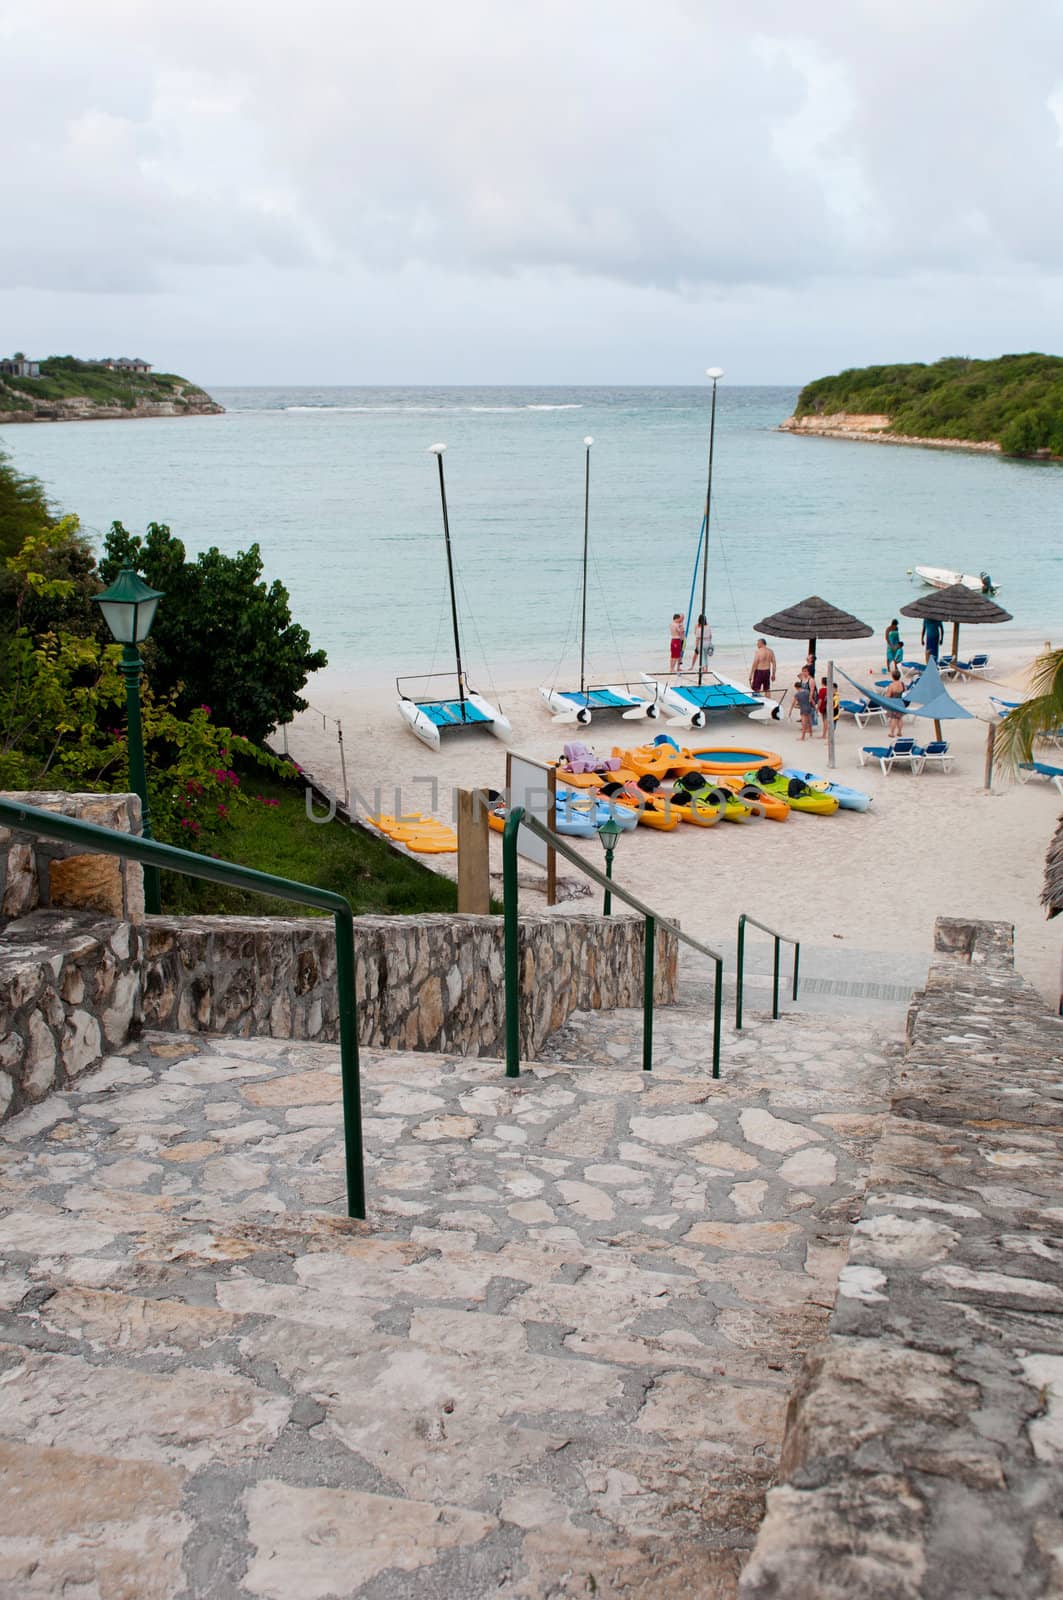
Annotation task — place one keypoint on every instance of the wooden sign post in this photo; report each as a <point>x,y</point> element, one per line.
<point>474,859</point>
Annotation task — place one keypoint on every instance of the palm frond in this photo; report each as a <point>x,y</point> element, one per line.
<point>1041,713</point>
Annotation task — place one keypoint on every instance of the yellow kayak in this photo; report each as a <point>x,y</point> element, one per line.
<point>796,793</point>
<point>730,807</point>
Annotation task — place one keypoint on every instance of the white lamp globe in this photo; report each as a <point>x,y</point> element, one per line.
<point>588,441</point>
<point>714,373</point>
<point>436,449</point>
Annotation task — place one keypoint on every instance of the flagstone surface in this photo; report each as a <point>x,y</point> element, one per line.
<point>554,1361</point>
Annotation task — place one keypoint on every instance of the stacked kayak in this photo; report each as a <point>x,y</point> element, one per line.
<point>579,813</point>
<point>769,804</point>
<point>795,791</point>
<point>648,812</point>
<point>694,797</point>
<point>426,836</point>
<point>848,799</point>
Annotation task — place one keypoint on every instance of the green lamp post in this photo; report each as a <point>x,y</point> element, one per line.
<point>609,834</point>
<point>128,608</point>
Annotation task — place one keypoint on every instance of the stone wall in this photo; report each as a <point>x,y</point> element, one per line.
<point>923,1455</point>
<point>69,994</point>
<point>42,872</point>
<point>433,982</point>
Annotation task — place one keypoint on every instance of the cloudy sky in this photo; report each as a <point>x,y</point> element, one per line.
<point>610,191</point>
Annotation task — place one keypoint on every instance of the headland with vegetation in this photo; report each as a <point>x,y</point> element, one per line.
<point>69,389</point>
<point>1013,404</point>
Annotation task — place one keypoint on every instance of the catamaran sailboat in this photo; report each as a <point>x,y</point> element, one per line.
<point>691,703</point>
<point>427,719</point>
<point>579,705</point>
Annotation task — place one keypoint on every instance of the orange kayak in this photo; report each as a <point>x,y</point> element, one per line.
<point>654,813</point>
<point>656,760</point>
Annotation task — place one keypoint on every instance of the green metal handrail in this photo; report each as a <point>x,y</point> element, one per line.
<point>515,819</point>
<point>72,830</point>
<point>779,938</point>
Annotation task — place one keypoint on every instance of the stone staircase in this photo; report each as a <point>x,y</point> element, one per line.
<point>554,1362</point>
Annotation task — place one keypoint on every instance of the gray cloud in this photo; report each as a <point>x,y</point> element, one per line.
<point>675,147</point>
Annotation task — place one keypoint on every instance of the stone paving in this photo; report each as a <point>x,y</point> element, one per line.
<point>555,1361</point>
<point>924,1449</point>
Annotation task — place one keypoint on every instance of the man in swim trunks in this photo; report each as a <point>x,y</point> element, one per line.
<point>678,638</point>
<point>762,673</point>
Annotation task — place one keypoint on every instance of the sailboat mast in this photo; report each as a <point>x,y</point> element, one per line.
<point>586,527</point>
<point>437,451</point>
<point>715,373</point>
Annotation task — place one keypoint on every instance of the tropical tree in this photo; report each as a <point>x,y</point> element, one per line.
<point>222,637</point>
<point>1040,713</point>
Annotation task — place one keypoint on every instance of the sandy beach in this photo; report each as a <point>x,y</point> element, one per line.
<point>873,882</point>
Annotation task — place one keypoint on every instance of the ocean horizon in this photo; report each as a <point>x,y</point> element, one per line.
<point>339,489</point>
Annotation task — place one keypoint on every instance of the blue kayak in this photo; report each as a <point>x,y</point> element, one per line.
<point>848,799</point>
<point>581,813</point>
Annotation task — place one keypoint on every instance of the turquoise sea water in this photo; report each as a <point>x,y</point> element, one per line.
<point>337,487</point>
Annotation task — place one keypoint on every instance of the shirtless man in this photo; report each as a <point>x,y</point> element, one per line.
<point>762,673</point>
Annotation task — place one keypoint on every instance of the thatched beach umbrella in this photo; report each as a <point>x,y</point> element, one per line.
<point>957,604</point>
<point>814,619</point>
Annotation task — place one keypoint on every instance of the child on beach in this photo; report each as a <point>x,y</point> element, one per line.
<point>804,693</point>
<point>678,635</point>
<point>895,719</point>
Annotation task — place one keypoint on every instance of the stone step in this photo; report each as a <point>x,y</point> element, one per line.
<point>555,1360</point>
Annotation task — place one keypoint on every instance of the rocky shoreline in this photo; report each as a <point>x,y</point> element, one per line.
<point>874,429</point>
<point>188,402</point>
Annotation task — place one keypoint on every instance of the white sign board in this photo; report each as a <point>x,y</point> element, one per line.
<point>532,785</point>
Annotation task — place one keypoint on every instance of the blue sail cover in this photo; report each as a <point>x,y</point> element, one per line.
<point>927,696</point>
<point>448,713</point>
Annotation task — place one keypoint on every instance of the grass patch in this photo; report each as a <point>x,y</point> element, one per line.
<point>281,839</point>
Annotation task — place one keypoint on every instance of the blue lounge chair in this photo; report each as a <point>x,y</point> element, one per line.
<point>902,752</point>
<point>861,711</point>
<point>977,664</point>
<point>937,750</point>
<point>1002,707</point>
<point>1042,769</point>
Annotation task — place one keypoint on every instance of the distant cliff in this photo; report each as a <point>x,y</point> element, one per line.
<point>1013,404</point>
<point>70,390</point>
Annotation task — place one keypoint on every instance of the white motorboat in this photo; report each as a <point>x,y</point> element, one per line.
<point>945,578</point>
